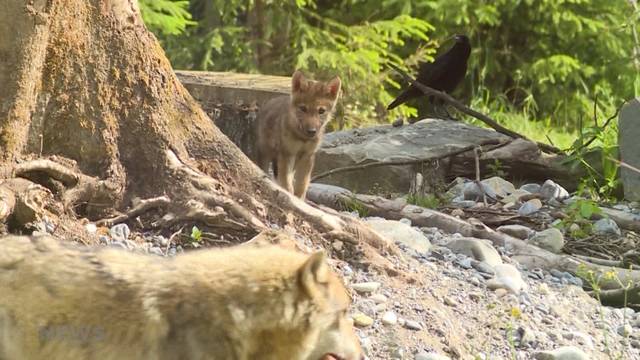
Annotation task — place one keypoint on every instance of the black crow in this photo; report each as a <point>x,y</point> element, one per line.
<point>444,73</point>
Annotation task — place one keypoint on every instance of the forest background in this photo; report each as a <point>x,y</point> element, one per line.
<point>553,70</point>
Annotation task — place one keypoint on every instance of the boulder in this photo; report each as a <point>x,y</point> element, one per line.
<point>628,135</point>
<point>401,233</point>
<point>424,139</point>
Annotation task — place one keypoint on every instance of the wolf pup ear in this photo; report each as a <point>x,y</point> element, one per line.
<point>314,273</point>
<point>333,87</point>
<point>298,81</point>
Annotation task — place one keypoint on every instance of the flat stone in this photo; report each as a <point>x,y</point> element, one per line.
<point>550,239</point>
<point>606,226</point>
<point>425,139</point>
<point>563,353</point>
<point>628,135</point>
<point>500,186</point>
<point>378,298</point>
<point>514,196</point>
<point>507,277</point>
<point>362,320</point>
<point>530,207</point>
<point>366,287</point>
<point>532,188</point>
<point>412,325</point>
<point>430,356</point>
<point>471,191</point>
<point>402,233</point>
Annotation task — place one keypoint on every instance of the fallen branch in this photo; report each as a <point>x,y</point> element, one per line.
<point>621,297</point>
<point>408,162</point>
<point>467,110</point>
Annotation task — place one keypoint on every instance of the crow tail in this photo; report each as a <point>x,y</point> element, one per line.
<point>401,99</point>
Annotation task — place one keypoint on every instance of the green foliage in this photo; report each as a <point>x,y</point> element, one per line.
<point>196,234</point>
<point>556,54</point>
<point>537,67</point>
<point>598,159</point>
<point>577,223</point>
<point>167,17</point>
<point>428,201</point>
<point>496,169</point>
<point>352,204</point>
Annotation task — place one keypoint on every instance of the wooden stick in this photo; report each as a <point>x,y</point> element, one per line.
<point>465,109</point>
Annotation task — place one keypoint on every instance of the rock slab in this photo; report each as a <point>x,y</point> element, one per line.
<point>628,135</point>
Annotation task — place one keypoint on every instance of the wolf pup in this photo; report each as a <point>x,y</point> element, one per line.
<point>241,303</point>
<point>291,127</point>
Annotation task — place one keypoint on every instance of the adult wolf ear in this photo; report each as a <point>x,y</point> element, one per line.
<point>314,275</point>
<point>333,87</point>
<point>298,82</point>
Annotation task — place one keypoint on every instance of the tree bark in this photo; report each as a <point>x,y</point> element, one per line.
<point>90,90</point>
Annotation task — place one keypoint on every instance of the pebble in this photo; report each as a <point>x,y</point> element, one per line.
<point>366,287</point>
<point>530,207</point>
<point>105,240</point>
<point>471,191</point>
<point>156,251</point>
<point>397,122</point>
<point>551,190</point>
<point>362,320</point>
<point>378,298</point>
<point>412,325</point>
<point>430,356</point>
<point>606,226</point>
<point>532,188</point>
<point>91,228</point>
<point>450,301</point>
<point>464,263</point>
<point>457,213</point>
<point>624,330</point>
<point>172,252</point>
<point>563,353</point>
<point>550,239</point>
<point>389,318</point>
<point>120,232</point>
<point>337,245</point>
<point>544,289</point>
<point>581,338</point>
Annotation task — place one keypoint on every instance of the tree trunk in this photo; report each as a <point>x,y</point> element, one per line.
<point>89,89</point>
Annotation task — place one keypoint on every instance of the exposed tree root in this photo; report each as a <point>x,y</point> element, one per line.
<point>139,207</point>
<point>212,205</point>
<point>96,197</point>
<point>22,203</point>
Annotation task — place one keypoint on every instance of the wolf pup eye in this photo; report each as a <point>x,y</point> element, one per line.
<point>302,108</point>
<point>321,111</point>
